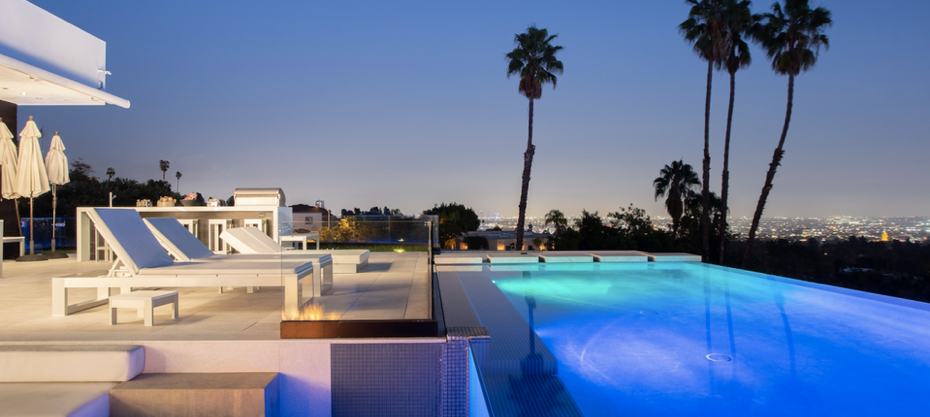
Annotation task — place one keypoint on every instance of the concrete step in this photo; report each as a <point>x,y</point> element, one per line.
<point>200,394</point>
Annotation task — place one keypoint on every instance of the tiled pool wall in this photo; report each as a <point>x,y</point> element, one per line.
<point>518,374</point>
<point>403,379</point>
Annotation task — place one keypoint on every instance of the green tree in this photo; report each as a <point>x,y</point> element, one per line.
<point>534,60</point>
<point>110,173</point>
<point>791,36</point>
<point>704,29</point>
<point>558,220</point>
<point>594,235</point>
<point>633,230</point>
<point>454,220</point>
<point>673,183</point>
<point>560,223</point>
<point>163,165</point>
<point>737,23</point>
<point>689,233</point>
<point>178,176</point>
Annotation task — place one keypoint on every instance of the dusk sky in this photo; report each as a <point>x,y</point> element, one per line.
<point>407,104</point>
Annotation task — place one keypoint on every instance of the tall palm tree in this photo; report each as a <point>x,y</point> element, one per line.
<point>163,165</point>
<point>673,183</point>
<point>737,23</point>
<point>791,36</point>
<point>704,28</point>
<point>534,60</point>
<point>178,176</point>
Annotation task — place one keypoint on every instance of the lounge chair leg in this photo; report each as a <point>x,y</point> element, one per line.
<point>221,290</point>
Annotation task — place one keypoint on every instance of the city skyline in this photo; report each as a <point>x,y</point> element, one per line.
<point>915,229</point>
<point>284,95</point>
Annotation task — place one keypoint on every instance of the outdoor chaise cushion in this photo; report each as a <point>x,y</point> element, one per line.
<point>148,265</point>
<point>181,244</point>
<point>141,253</point>
<point>252,240</point>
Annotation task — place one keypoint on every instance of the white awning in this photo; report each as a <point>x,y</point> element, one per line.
<point>26,85</point>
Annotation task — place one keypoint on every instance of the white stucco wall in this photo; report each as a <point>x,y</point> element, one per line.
<point>41,39</point>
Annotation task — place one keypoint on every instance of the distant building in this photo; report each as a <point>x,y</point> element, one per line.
<point>503,240</point>
<point>309,218</point>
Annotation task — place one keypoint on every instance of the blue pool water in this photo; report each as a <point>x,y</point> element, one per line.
<point>634,339</point>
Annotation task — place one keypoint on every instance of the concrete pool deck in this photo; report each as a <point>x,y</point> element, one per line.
<point>240,332</point>
<point>393,286</point>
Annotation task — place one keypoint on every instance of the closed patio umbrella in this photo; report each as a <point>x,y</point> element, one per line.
<point>57,164</point>
<point>32,179</point>
<point>7,163</point>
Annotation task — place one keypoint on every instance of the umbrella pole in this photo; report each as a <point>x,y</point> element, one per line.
<point>32,246</point>
<point>32,250</point>
<point>54,204</point>
<point>52,253</point>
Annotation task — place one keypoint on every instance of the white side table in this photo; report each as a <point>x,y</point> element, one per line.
<point>145,302</point>
<point>301,238</point>
<point>16,239</point>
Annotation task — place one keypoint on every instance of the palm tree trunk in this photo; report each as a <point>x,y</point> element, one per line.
<point>776,161</point>
<point>527,164</point>
<point>726,171</point>
<point>705,191</point>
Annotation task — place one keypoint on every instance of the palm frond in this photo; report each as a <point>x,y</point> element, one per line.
<point>534,59</point>
<point>792,35</point>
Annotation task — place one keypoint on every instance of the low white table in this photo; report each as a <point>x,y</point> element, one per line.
<point>301,238</point>
<point>20,239</point>
<point>145,302</point>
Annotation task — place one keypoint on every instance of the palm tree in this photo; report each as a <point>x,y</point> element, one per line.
<point>673,183</point>
<point>737,22</point>
<point>110,173</point>
<point>791,36</point>
<point>557,219</point>
<point>178,176</point>
<point>534,60</point>
<point>704,28</point>
<point>163,165</point>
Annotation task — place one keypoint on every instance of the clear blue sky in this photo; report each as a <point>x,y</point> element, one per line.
<point>407,104</point>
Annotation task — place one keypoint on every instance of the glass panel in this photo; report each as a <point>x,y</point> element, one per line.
<point>366,268</point>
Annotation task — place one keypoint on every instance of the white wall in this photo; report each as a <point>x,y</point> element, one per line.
<point>39,38</point>
<point>309,221</point>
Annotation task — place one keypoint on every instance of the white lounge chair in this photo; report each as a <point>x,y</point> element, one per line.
<point>184,247</point>
<point>142,262</point>
<point>252,240</point>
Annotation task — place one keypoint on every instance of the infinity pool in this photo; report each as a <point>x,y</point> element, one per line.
<point>692,339</point>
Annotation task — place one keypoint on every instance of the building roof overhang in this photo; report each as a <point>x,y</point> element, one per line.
<point>26,85</point>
